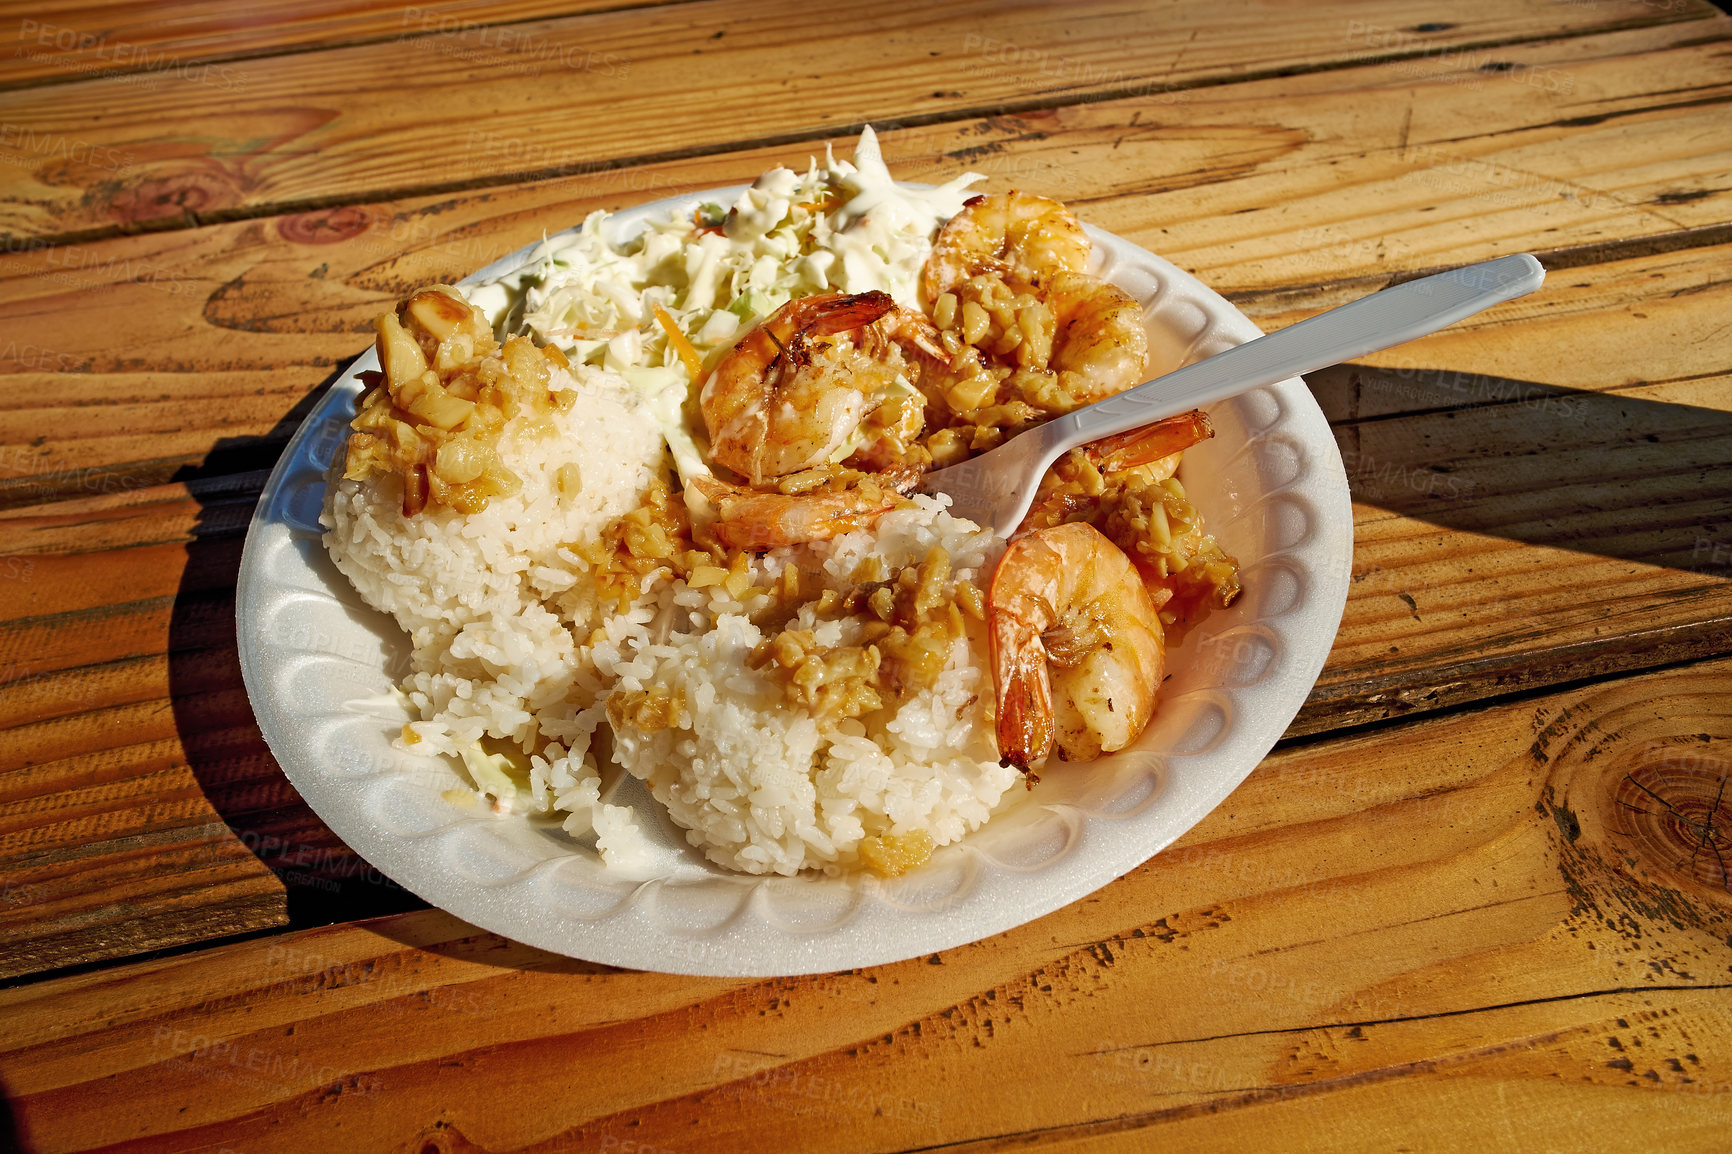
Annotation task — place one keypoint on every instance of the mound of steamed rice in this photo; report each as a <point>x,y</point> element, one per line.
<point>765,787</point>
<point>515,660</point>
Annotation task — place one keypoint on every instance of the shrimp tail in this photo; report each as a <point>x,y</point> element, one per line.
<point>1151,442</point>
<point>830,315</point>
<point>752,520</point>
<point>1025,711</point>
<point>1140,446</point>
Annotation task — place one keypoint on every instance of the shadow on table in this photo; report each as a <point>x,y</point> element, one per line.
<point>11,1137</point>
<point>1599,473</point>
<point>324,880</point>
<point>1612,475</point>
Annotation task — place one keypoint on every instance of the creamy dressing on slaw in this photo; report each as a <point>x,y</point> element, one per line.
<point>843,227</point>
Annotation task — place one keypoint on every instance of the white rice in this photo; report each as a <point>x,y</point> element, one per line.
<point>504,650</point>
<point>492,602</point>
<point>514,658</point>
<point>762,786</point>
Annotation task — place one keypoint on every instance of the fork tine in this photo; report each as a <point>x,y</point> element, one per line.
<point>996,488</point>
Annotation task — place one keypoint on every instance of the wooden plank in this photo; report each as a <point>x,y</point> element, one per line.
<point>1516,510</point>
<point>1515,575</point>
<point>210,379</point>
<point>1424,937</point>
<point>220,332</point>
<point>151,43</point>
<point>368,121</point>
<point>139,807</point>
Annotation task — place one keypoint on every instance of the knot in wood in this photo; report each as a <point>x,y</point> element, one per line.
<point>179,194</point>
<point>1676,807</point>
<point>325,226</point>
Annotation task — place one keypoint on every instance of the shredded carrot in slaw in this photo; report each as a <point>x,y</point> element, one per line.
<point>688,355</point>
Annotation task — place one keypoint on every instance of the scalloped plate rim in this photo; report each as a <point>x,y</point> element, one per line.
<point>874,931</point>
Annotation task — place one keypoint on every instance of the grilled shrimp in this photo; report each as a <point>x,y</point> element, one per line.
<point>812,377</point>
<point>1077,647</point>
<point>1100,344</point>
<point>1020,237</point>
<point>748,519</point>
<point>1074,484</point>
<point>1125,487</point>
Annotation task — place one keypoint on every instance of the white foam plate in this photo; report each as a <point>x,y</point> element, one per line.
<point>319,666</point>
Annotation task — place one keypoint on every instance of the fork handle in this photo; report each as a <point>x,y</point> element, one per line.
<point>1375,322</point>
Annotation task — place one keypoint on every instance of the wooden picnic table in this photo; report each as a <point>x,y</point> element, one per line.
<point>1477,898</point>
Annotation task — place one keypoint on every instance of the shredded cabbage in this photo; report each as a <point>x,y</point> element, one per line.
<point>844,227</point>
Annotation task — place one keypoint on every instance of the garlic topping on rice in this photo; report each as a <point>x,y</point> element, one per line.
<point>528,490</point>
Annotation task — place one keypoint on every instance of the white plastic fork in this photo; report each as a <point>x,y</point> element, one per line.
<point>996,488</point>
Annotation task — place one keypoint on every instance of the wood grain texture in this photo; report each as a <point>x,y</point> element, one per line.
<point>372,121</point>
<point>1499,930</point>
<point>1483,565</point>
<point>216,333</point>
<point>81,39</point>
<point>1516,510</point>
<point>139,807</point>
<point>1504,927</point>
